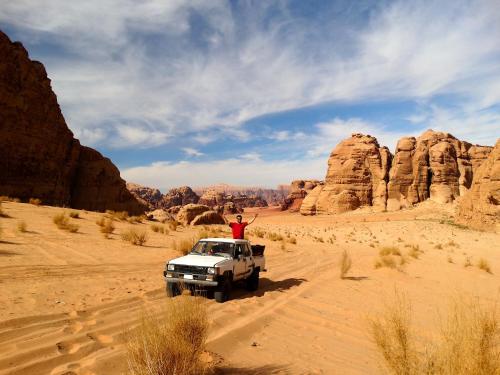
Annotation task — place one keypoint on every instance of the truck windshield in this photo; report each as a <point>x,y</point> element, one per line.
<point>213,248</point>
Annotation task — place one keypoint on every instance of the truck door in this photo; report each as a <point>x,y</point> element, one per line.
<point>249,263</point>
<point>240,262</point>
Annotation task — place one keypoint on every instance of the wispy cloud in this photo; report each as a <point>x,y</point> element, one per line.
<point>192,152</point>
<point>151,63</point>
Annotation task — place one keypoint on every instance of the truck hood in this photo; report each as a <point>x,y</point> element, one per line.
<point>198,260</point>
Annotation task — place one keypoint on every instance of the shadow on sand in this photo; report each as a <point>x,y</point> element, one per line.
<point>261,370</point>
<point>356,278</point>
<point>266,285</point>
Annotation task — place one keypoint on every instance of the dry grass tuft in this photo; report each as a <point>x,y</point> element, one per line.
<point>107,227</point>
<point>121,215</point>
<point>170,343</point>
<point>35,201</point>
<point>385,261</point>
<point>389,250</point>
<point>158,228</point>
<point>135,237</point>
<point>345,264</point>
<point>172,225</point>
<point>468,262</point>
<point>259,232</point>
<point>74,214</point>
<point>274,236</point>
<point>2,213</point>
<point>467,345</point>
<point>484,265</point>
<point>183,246</point>
<point>292,240</point>
<point>22,226</point>
<point>415,251</point>
<point>63,223</point>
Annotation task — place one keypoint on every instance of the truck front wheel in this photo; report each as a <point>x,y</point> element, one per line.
<point>253,281</point>
<point>223,291</point>
<point>173,290</point>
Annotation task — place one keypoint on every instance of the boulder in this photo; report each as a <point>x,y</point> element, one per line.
<point>160,215</point>
<point>188,212</point>
<point>39,157</point>
<point>480,207</point>
<point>207,218</point>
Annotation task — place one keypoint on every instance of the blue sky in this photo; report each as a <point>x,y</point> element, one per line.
<point>259,92</point>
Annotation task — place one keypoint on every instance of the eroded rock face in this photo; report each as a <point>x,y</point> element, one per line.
<point>39,157</point>
<point>188,212</point>
<point>208,218</point>
<point>435,165</point>
<point>298,191</point>
<point>230,203</point>
<point>357,176</point>
<point>308,206</point>
<point>146,195</point>
<point>480,207</point>
<point>179,197</point>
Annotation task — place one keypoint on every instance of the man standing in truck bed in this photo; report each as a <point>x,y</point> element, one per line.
<point>238,228</point>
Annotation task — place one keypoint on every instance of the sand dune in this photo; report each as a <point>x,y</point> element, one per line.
<point>67,298</point>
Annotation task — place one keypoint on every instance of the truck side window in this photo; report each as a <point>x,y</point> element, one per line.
<point>247,250</point>
<point>238,251</point>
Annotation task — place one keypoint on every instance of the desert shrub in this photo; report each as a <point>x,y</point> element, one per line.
<point>107,227</point>
<point>385,261</point>
<point>283,245</point>
<point>393,338</point>
<point>274,236</point>
<point>183,246</point>
<point>100,222</point>
<point>136,219</point>
<point>292,240</point>
<point>468,262</point>
<point>172,225</point>
<point>157,228</point>
<point>21,226</point>
<point>121,215</point>
<point>438,246</point>
<point>258,232</point>
<point>170,343</point>
<point>35,201</point>
<point>345,264</point>
<point>389,250</point>
<point>74,214</point>
<point>483,264</point>
<point>450,259</point>
<point>467,344</point>
<point>135,237</point>
<point>63,223</point>
<point>415,251</point>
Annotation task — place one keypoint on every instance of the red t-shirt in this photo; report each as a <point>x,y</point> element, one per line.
<point>238,230</point>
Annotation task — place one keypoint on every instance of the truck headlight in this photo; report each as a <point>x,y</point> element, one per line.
<point>170,267</point>
<point>211,270</point>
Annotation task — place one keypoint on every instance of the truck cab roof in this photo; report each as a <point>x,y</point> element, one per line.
<point>227,240</point>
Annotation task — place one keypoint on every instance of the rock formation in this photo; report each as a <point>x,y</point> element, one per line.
<point>230,203</point>
<point>188,212</point>
<point>207,218</point>
<point>435,165</point>
<point>146,195</point>
<point>179,197</point>
<point>39,156</point>
<point>357,175</point>
<point>480,207</point>
<point>298,191</point>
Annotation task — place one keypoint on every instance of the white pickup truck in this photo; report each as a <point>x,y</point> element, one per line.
<point>215,264</point>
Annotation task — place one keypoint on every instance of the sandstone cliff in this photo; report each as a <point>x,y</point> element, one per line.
<point>298,191</point>
<point>433,166</point>
<point>39,156</point>
<point>480,207</point>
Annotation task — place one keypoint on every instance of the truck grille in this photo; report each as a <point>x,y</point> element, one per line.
<point>190,269</point>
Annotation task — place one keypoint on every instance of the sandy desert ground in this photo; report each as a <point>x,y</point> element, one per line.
<point>66,298</point>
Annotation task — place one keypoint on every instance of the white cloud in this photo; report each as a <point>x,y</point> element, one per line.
<point>252,156</point>
<point>192,152</point>
<point>250,66</point>
<point>166,175</point>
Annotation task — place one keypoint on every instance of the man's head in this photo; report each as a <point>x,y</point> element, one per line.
<point>239,218</point>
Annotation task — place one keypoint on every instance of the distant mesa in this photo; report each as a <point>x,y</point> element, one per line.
<point>39,157</point>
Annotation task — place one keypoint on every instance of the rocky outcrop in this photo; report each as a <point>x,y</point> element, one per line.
<point>39,157</point>
<point>357,175</point>
<point>160,215</point>
<point>298,191</point>
<point>188,212</point>
<point>179,197</point>
<point>230,203</point>
<point>146,195</point>
<point>360,173</point>
<point>480,207</point>
<point>208,218</point>
<point>435,165</point>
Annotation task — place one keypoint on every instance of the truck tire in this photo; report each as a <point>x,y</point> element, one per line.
<point>253,281</point>
<point>223,292</point>
<point>173,290</point>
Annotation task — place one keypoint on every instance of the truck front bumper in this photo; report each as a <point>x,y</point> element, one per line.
<point>179,280</point>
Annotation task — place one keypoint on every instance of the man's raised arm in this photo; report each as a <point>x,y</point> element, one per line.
<point>251,221</point>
